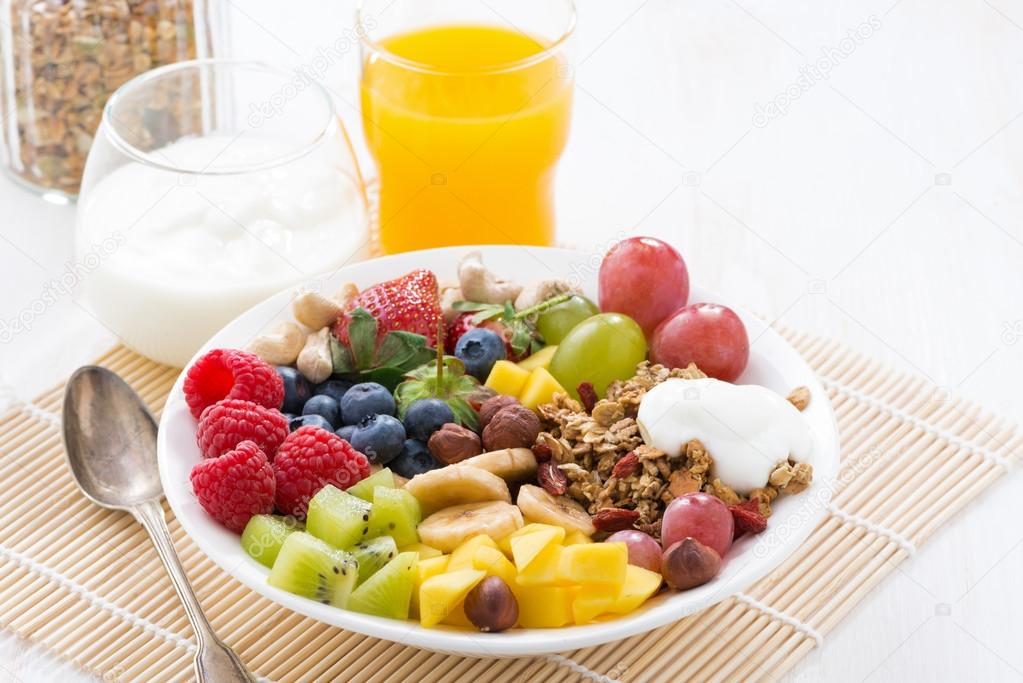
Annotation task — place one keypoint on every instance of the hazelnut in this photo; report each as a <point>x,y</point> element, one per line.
<point>453,443</point>
<point>491,606</point>
<point>689,563</point>
<point>514,426</point>
<point>492,405</point>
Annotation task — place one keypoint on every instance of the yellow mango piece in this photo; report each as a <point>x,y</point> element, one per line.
<point>494,563</point>
<point>540,359</point>
<point>543,570</point>
<point>504,545</point>
<point>539,388</point>
<point>507,378</point>
<point>461,557</point>
<point>440,594</point>
<point>526,547</point>
<point>639,585</point>
<point>545,606</point>
<point>592,601</point>
<point>426,552</point>
<point>424,570</point>
<point>577,537</point>
<point>456,617</point>
<point>603,563</point>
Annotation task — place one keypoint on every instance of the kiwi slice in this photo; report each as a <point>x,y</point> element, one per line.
<point>373,554</point>
<point>264,535</point>
<point>364,488</point>
<point>309,567</point>
<point>387,593</point>
<point>396,514</point>
<point>338,518</point>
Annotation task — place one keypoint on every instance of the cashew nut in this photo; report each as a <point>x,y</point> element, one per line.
<point>281,346</point>
<point>479,284</point>
<point>542,290</point>
<point>450,292</point>
<point>314,362</point>
<point>345,293</point>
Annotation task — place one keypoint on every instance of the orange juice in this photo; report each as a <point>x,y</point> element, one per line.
<point>466,124</point>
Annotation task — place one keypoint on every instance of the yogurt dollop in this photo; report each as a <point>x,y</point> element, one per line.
<point>747,429</point>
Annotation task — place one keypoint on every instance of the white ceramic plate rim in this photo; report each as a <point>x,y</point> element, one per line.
<point>773,361</point>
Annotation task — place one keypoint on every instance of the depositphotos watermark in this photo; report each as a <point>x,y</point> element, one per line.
<point>813,73</point>
<point>57,288</point>
<point>308,73</point>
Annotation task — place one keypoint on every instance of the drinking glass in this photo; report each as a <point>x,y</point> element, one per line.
<point>212,185</point>
<point>466,108</point>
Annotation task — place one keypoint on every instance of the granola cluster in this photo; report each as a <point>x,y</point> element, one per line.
<point>607,464</point>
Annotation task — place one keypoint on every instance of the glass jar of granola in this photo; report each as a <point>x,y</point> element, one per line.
<point>62,59</point>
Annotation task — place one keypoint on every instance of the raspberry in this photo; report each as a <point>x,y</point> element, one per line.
<point>230,373</point>
<point>227,423</point>
<point>235,486</point>
<point>748,518</point>
<point>309,459</point>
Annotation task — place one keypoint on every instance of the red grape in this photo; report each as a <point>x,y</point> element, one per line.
<point>644,278</point>
<point>643,549</point>
<point>710,335</point>
<point>700,516</point>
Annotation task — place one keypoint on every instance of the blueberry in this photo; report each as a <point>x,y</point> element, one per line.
<point>310,421</point>
<point>414,459</point>
<point>363,400</point>
<point>379,437</point>
<point>297,389</point>
<point>325,407</point>
<point>335,388</point>
<point>346,432</point>
<point>479,349</point>
<point>426,416</point>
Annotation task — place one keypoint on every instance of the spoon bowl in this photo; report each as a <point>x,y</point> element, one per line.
<point>110,440</point>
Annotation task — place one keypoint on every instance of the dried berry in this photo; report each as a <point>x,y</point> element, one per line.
<point>627,466</point>
<point>747,517</point>
<point>587,395</point>
<point>493,405</point>
<point>551,478</point>
<point>513,426</point>
<point>542,452</point>
<point>689,563</point>
<point>614,519</point>
<point>491,606</point>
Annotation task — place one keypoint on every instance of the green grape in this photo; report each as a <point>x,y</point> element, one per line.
<point>556,322</point>
<point>599,350</point>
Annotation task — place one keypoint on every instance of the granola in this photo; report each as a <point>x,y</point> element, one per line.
<point>588,447</point>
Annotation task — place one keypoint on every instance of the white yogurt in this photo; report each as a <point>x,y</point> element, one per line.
<point>196,250</point>
<point>747,429</point>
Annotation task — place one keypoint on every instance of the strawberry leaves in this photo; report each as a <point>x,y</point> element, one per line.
<point>386,361</point>
<point>520,325</point>
<point>450,384</point>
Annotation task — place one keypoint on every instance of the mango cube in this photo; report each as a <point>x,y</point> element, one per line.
<point>543,570</point>
<point>603,563</point>
<point>539,388</point>
<point>540,359</point>
<point>592,601</point>
<point>507,378</point>
<point>440,594</point>
<point>494,563</point>
<point>456,617</point>
<point>525,547</point>
<point>426,552</point>
<point>639,585</point>
<point>461,557</point>
<point>425,569</point>
<point>545,606</point>
<point>577,537</point>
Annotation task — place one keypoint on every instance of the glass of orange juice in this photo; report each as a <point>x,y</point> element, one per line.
<point>466,107</point>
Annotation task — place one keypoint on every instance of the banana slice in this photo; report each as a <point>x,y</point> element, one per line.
<point>539,506</point>
<point>511,464</point>
<point>456,484</point>
<point>447,529</point>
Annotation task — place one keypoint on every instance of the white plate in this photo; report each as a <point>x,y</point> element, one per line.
<point>773,363</point>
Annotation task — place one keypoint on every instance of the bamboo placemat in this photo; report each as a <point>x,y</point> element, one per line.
<point>86,584</point>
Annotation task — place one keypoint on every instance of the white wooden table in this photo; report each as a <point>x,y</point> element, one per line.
<point>851,169</point>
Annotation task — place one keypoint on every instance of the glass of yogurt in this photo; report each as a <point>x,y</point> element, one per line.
<point>212,185</point>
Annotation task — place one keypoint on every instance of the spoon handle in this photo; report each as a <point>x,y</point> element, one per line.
<point>215,662</point>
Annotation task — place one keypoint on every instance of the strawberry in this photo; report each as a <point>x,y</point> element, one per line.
<point>410,303</point>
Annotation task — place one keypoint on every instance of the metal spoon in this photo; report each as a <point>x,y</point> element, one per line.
<point>110,439</point>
